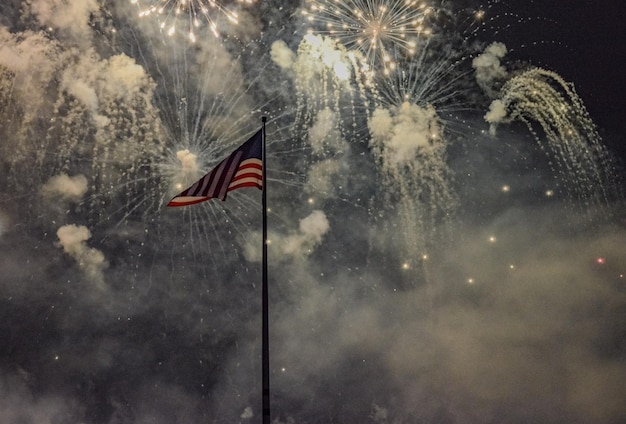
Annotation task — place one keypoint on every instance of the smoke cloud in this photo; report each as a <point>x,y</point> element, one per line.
<point>489,69</point>
<point>296,245</point>
<point>72,239</point>
<point>420,270</point>
<point>409,130</point>
<point>66,187</point>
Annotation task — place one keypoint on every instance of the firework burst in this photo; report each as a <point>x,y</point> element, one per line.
<point>192,12</point>
<point>380,30</point>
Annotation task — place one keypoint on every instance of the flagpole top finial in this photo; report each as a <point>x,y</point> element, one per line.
<point>264,119</point>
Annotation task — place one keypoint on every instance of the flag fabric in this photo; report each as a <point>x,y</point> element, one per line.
<point>243,168</point>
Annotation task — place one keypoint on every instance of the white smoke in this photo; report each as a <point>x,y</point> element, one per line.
<point>322,177</point>
<point>100,84</point>
<point>367,339</point>
<point>247,413</point>
<point>66,187</point>
<point>69,16</point>
<point>282,55</point>
<point>318,55</point>
<point>324,135</point>
<point>86,94</point>
<point>404,132</point>
<point>19,404</point>
<point>188,161</point>
<point>72,239</point>
<point>27,57</point>
<point>125,77</point>
<point>489,70</point>
<point>297,245</point>
<point>497,113</point>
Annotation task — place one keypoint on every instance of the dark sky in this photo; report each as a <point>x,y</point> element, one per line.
<point>585,42</point>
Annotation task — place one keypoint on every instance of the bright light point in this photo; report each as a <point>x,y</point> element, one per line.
<point>511,266</point>
<point>600,261</point>
<point>492,239</point>
<point>405,266</point>
<point>173,13</point>
<point>283,369</point>
<point>549,193</point>
<point>425,257</point>
<point>342,71</point>
<point>470,281</point>
<point>375,29</point>
<point>506,188</point>
<point>311,201</point>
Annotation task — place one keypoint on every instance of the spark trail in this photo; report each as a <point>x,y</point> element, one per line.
<point>192,13</point>
<point>550,107</point>
<point>380,31</point>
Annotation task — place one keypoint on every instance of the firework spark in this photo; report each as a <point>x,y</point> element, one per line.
<point>380,30</point>
<point>406,246</point>
<point>544,101</point>
<point>194,12</point>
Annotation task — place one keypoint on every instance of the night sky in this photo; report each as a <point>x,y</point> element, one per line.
<point>446,240</point>
<point>582,41</point>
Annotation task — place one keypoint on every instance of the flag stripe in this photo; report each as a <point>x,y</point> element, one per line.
<point>227,176</point>
<point>250,174</point>
<point>186,200</point>
<point>243,168</point>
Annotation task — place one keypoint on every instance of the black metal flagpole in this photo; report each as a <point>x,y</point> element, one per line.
<point>265,359</point>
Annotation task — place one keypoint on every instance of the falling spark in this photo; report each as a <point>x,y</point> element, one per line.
<point>187,14</point>
<point>379,30</point>
<point>547,104</point>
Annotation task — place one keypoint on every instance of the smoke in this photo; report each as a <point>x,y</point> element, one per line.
<point>297,245</point>
<point>282,55</point>
<point>188,162</point>
<point>71,17</point>
<point>410,130</point>
<point>66,187</point>
<point>324,135</point>
<point>72,239</point>
<point>406,285</point>
<point>489,69</point>
<point>19,404</point>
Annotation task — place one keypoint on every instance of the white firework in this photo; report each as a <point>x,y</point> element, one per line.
<point>380,30</point>
<point>192,14</point>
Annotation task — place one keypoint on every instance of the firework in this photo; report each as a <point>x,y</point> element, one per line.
<point>401,253</point>
<point>548,105</point>
<point>191,13</point>
<point>382,31</point>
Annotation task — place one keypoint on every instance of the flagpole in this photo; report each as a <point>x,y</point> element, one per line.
<point>265,355</point>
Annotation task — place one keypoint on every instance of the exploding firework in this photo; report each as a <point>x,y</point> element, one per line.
<point>383,32</point>
<point>205,109</point>
<point>192,13</point>
<point>410,150</point>
<point>558,120</point>
<point>121,310</point>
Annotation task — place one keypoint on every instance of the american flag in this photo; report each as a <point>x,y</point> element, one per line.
<point>243,168</point>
